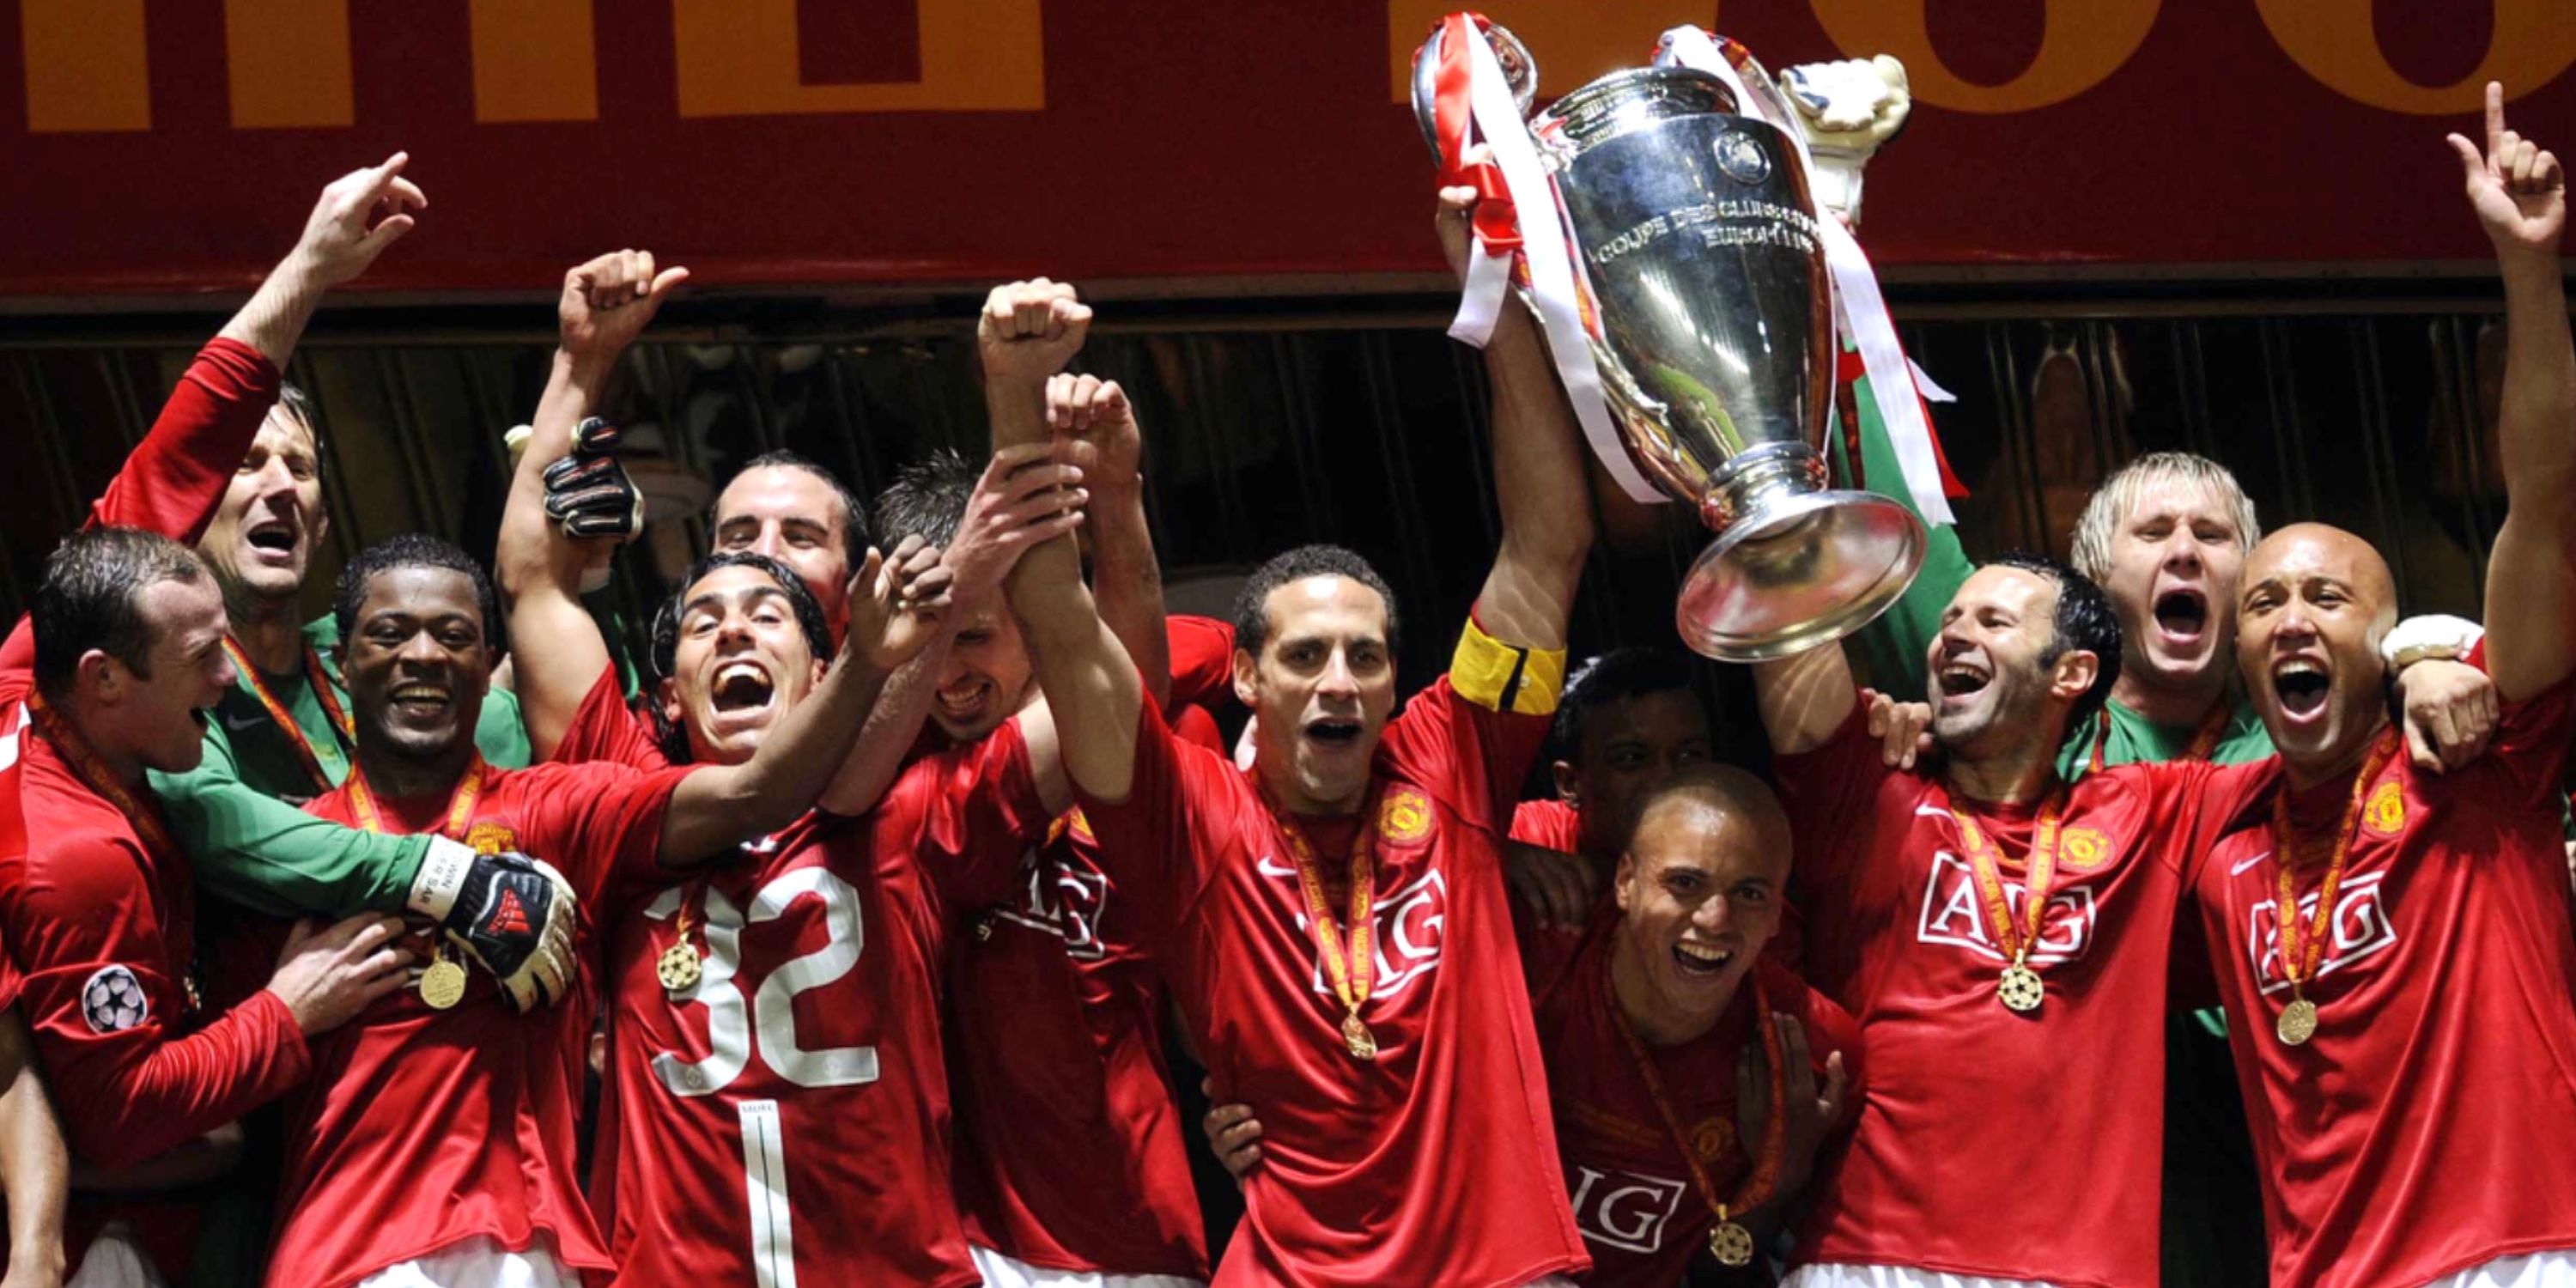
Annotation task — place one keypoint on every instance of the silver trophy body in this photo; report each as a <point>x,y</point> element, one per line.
<point>1710,319</point>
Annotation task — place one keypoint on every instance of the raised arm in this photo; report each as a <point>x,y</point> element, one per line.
<point>1540,484</point>
<point>1126,579</point>
<point>359,215</point>
<point>605,304</point>
<point>1804,698</point>
<point>896,606</point>
<point>2520,194</point>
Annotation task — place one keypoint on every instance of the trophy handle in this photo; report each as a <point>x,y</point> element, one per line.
<point>1520,71</point>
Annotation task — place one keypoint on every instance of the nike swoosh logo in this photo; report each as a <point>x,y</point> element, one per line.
<point>2239,869</point>
<point>1270,867</point>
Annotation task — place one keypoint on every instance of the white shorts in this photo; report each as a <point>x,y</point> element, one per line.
<point>479,1262</point>
<point>2534,1270</point>
<point>1831,1276</point>
<point>1001,1271</point>
<point>114,1260</point>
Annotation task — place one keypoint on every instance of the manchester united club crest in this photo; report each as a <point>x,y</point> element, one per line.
<point>1712,1138</point>
<point>1405,818</point>
<point>2083,849</point>
<point>489,837</point>
<point>2385,815</point>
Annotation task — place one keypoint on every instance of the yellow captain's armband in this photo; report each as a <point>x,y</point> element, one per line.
<point>1506,677</point>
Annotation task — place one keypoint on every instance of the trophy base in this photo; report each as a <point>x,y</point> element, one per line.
<point>1801,571</point>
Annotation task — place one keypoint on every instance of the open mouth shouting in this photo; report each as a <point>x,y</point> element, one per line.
<point>1334,733</point>
<point>1701,961</point>
<point>2182,616</point>
<point>742,687</point>
<point>2302,686</point>
<point>271,540</point>
<point>1962,678</point>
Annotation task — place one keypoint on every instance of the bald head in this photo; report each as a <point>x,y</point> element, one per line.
<point>2312,607</point>
<point>1700,894</point>
<point>2304,551</point>
<point>1710,806</point>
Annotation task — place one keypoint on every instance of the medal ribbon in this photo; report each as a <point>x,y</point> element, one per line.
<point>1765,1176</point>
<point>320,681</point>
<point>460,804</point>
<point>2303,939</point>
<point>2204,740</point>
<point>2015,935</point>
<point>95,775</point>
<point>1352,977</point>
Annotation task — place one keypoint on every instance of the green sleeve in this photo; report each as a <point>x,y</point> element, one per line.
<point>266,855</point>
<point>1892,648</point>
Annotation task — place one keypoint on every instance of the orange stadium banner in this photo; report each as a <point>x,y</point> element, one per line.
<point>160,147</point>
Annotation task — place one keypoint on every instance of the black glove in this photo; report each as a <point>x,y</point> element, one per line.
<point>511,913</point>
<point>588,492</point>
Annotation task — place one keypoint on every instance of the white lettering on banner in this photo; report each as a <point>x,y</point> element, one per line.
<point>2361,930</point>
<point>1407,930</point>
<point>1065,902</point>
<point>1624,1209</point>
<point>1955,914</point>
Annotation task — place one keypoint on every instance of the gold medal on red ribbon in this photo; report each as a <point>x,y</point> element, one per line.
<point>1353,973</point>
<point>1729,1240</point>
<point>442,985</point>
<point>679,967</point>
<point>2303,939</point>
<point>2019,986</point>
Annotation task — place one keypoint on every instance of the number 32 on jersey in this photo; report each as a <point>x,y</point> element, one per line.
<point>770,1010</point>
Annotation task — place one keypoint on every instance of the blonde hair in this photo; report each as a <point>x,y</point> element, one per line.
<point>2112,502</point>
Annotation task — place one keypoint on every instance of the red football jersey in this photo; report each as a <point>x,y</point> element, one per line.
<point>1433,1162</point>
<point>105,928</point>
<point>2445,1046</point>
<point>1551,824</point>
<point>1992,1143</point>
<point>1635,1200</point>
<point>785,1119</point>
<point>424,1128</point>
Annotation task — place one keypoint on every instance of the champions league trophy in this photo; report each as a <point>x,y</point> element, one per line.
<point>1705,303</point>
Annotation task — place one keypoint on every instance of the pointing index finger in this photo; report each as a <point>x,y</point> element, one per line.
<point>2495,118</point>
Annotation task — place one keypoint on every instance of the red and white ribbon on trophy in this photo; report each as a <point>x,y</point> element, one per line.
<point>1860,311</point>
<point>1475,101</point>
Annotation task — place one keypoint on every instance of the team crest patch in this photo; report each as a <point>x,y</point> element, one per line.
<point>113,1000</point>
<point>1712,1138</point>
<point>1405,818</point>
<point>2083,848</point>
<point>488,837</point>
<point>2386,812</point>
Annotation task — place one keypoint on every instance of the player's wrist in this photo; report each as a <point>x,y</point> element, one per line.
<point>441,877</point>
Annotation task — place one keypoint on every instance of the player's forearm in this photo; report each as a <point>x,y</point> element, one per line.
<point>1016,411</point>
<point>1804,698</point>
<point>182,1089</point>
<point>722,806</point>
<point>274,319</point>
<point>35,1168</point>
<point>1127,581</point>
<point>2537,413</point>
<point>251,849</point>
<point>1090,684</point>
<point>892,726</point>
<point>1540,489</point>
<point>540,569</point>
<point>191,1163</point>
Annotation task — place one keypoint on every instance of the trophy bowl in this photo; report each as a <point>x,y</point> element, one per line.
<point>1708,310</point>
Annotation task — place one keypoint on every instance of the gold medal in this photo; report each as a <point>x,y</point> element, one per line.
<point>678,967</point>
<point>1731,1244</point>
<point>442,986</point>
<point>2020,989</point>
<point>2297,1022</point>
<point>1356,1036</point>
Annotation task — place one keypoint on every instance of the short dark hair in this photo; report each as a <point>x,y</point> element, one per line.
<point>415,550</point>
<point>89,598</point>
<point>2084,620</point>
<point>854,512</point>
<point>1251,606</point>
<point>1615,676</point>
<point>928,498</point>
<point>299,406</point>
<point>666,630</point>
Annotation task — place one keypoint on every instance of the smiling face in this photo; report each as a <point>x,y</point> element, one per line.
<point>417,662</point>
<point>1321,691</point>
<point>2315,603</point>
<point>796,518</point>
<point>162,714</point>
<point>741,662</point>
<point>261,540</point>
<point>1991,682</point>
<point>1629,746</point>
<point>2172,573</point>
<point>1699,893</point>
<point>987,678</point>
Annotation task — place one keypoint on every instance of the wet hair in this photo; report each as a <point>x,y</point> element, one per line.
<point>673,738</point>
<point>90,597</point>
<point>2084,620</point>
<point>1615,676</point>
<point>928,498</point>
<point>2112,503</point>
<point>1252,604</point>
<point>854,512</point>
<point>416,550</point>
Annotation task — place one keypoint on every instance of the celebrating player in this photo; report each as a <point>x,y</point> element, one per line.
<point>1333,921</point>
<point>2392,944</point>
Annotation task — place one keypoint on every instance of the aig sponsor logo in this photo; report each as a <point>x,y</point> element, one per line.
<point>1064,899</point>
<point>1625,1209</point>
<point>1955,914</point>
<point>2361,930</point>
<point>1407,929</point>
